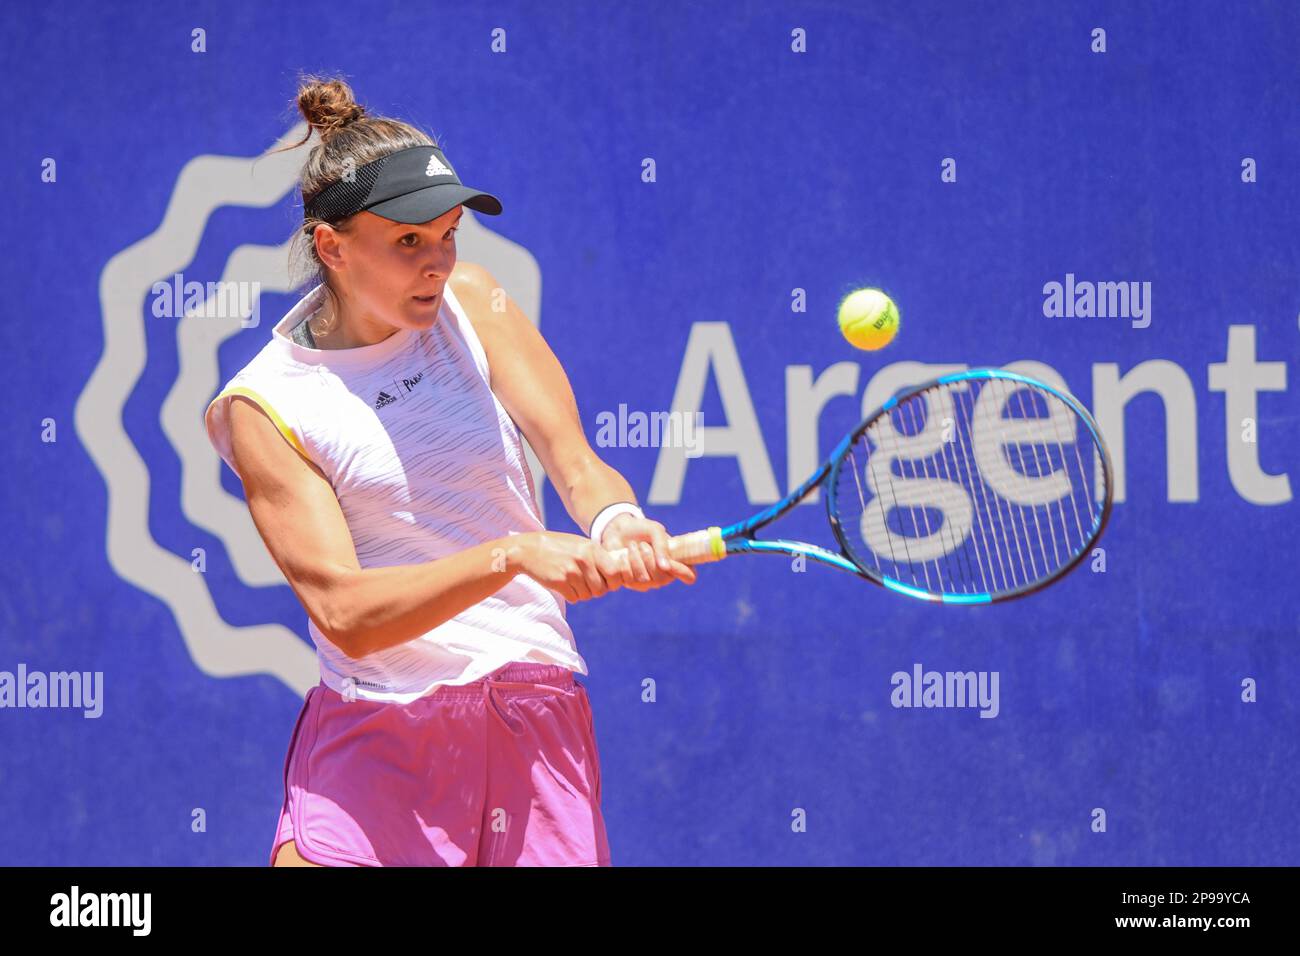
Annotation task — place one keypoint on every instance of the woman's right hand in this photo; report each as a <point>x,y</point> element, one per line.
<point>575,567</point>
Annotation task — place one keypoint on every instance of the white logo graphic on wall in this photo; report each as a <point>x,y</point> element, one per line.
<point>168,571</point>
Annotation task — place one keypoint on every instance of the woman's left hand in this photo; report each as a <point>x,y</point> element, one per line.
<point>649,564</point>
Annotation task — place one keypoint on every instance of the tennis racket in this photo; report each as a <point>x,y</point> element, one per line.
<point>976,487</point>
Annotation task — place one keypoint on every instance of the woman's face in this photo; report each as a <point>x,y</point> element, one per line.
<point>390,273</point>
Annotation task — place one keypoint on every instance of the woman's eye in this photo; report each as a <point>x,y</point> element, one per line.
<point>411,235</point>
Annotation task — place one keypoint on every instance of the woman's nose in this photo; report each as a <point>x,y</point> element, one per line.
<point>440,263</point>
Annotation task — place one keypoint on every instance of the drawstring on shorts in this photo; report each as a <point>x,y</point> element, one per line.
<point>490,699</point>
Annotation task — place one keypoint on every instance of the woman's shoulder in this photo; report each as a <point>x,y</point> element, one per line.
<point>472,284</point>
<point>484,304</point>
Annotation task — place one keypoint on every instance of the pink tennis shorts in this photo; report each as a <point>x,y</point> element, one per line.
<point>499,772</point>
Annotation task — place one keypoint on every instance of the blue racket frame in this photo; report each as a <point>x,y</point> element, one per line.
<point>739,538</point>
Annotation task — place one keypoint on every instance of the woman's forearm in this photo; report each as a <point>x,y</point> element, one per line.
<point>379,608</point>
<point>591,489</point>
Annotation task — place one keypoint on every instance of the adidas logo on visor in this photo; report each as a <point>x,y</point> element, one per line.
<point>437,167</point>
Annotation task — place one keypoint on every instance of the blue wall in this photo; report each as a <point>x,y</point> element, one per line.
<point>775,170</point>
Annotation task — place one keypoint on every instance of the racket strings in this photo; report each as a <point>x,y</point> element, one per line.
<point>961,470</point>
<point>970,487</point>
<point>951,542</point>
<point>985,551</point>
<point>999,574</point>
<point>1062,555</point>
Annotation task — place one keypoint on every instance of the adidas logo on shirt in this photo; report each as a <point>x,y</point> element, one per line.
<point>437,167</point>
<point>398,385</point>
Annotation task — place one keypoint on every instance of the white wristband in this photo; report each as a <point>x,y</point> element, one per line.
<point>608,514</point>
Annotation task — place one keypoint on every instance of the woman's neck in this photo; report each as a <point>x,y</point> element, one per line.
<point>331,330</point>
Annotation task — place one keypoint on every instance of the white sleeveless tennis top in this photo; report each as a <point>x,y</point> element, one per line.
<point>425,462</point>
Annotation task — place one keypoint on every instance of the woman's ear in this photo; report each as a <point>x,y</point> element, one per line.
<point>329,246</point>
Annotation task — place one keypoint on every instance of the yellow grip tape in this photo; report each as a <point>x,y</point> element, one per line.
<point>715,542</point>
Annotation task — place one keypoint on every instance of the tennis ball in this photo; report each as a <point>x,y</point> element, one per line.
<point>869,319</point>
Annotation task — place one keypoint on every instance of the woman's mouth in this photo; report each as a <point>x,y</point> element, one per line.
<point>426,299</point>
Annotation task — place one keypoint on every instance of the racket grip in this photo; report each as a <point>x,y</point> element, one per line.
<point>696,547</point>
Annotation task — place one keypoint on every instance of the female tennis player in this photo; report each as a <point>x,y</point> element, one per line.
<point>377,436</point>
